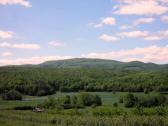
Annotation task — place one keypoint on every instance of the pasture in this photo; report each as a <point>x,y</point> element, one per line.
<point>105,115</point>
<point>108,98</point>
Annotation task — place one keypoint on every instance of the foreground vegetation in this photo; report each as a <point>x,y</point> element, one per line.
<point>33,96</point>
<point>107,114</point>
<point>28,118</point>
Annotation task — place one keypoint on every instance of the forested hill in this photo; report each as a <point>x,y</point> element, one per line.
<point>83,74</point>
<point>96,63</point>
<point>101,63</point>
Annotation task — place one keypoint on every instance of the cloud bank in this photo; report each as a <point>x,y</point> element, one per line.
<point>31,60</point>
<point>24,3</point>
<point>141,7</point>
<point>153,53</point>
<point>6,34</point>
<point>19,46</point>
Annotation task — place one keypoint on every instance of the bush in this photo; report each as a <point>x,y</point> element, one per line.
<point>12,95</point>
<point>75,101</point>
<point>45,89</point>
<point>64,101</point>
<point>151,101</point>
<point>129,100</point>
<point>87,99</point>
<point>120,99</point>
<point>49,103</point>
<point>148,101</point>
<point>138,110</point>
<point>161,99</point>
<point>115,104</point>
<point>146,91</point>
<point>161,111</point>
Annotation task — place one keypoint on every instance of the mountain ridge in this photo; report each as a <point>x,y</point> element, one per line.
<point>97,63</point>
<point>102,63</point>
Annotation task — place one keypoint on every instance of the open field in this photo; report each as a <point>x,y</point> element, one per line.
<point>108,98</point>
<point>105,115</point>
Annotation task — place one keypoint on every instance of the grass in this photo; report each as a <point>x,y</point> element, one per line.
<point>49,118</point>
<point>108,98</point>
<point>106,115</point>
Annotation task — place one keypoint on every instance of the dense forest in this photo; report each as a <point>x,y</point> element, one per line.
<point>44,81</point>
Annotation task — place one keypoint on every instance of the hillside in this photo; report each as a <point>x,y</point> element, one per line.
<point>84,74</point>
<point>101,63</point>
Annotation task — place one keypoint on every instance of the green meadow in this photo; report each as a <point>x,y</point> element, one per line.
<point>105,115</point>
<point>108,98</point>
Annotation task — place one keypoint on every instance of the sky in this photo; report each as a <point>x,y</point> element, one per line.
<point>35,31</point>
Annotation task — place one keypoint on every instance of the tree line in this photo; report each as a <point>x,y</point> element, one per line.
<point>46,81</point>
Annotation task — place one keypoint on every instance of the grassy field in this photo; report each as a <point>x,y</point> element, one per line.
<point>108,98</point>
<point>28,118</point>
<point>106,115</point>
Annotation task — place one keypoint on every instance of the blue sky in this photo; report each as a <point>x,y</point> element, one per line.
<point>34,31</point>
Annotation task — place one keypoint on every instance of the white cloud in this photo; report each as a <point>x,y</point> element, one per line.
<point>146,35</point>
<point>146,54</point>
<point>152,38</point>
<point>156,54</point>
<point>31,60</point>
<point>56,44</point>
<point>104,21</point>
<point>141,7</point>
<point>95,25</point>
<point>6,34</point>
<point>137,23</point>
<point>19,46</point>
<point>164,19</point>
<point>25,3</point>
<point>124,27</point>
<point>157,36</point>
<point>163,34</point>
<point>108,38</point>
<point>7,54</point>
<point>133,34</point>
<point>144,21</point>
<point>109,21</point>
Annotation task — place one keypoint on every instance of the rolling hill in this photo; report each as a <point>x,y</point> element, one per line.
<point>102,63</point>
<point>78,74</point>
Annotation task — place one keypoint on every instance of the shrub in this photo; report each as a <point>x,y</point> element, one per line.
<point>73,100</point>
<point>129,100</point>
<point>138,110</point>
<point>161,99</point>
<point>151,101</point>
<point>87,99</point>
<point>161,111</point>
<point>120,99</point>
<point>148,101</point>
<point>115,104</point>
<point>49,103</point>
<point>64,100</point>
<point>146,91</point>
<point>76,101</point>
<point>45,89</point>
<point>12,95</point>
<point>98,100</point>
